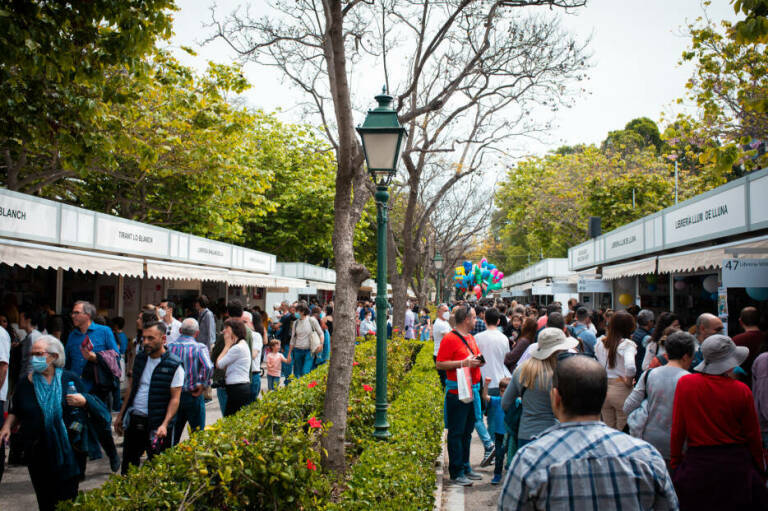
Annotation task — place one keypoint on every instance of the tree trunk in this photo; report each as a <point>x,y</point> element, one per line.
<point>399,297</point>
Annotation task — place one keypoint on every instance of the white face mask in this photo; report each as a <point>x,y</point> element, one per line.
<point>160,313</point>
<point>446,315</point>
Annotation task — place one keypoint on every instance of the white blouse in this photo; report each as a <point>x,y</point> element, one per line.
<point>625,358</point>
<point>237,362</point>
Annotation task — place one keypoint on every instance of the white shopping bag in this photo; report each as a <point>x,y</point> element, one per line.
<point>464,381</point>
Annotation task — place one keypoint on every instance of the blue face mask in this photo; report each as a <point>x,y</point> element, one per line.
<point>39,364</point>
<point>296,315</point>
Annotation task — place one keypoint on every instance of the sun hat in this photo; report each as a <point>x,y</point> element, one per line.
<point>720,355</point>
<point>550,341</point>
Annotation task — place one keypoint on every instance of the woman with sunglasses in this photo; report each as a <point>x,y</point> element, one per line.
<point>532,381</point>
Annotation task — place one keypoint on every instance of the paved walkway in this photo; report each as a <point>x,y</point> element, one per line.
<point>16,489</point>
<point>481,496</point>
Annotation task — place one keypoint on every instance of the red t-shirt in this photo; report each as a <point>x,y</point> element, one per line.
<point>714,410</point>
<point>452,348</point>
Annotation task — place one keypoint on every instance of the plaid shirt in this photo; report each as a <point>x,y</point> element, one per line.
<point>587,466</point>
<point>479,327</point>
<point>198,367</point>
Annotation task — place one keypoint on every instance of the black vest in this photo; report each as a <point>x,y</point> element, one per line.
<point>159,385</point>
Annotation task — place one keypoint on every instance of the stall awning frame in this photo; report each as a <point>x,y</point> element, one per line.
<point>711,258</point>
<point>323,286</point>
<point>34,255</point>
<point>630,269</point>
<point>239,278</point>
<point>178,271</point>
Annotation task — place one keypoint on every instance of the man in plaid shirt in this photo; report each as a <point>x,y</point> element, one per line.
<point>582,464</point>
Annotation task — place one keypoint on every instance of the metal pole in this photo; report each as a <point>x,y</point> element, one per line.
<point>59,290</point>
<point>675,181</point>
<point>671,293</point>
<point>381,425</point>
<point>439,275</point>
<point>633,198</point>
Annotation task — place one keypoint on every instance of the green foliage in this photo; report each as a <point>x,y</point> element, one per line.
<point>638,134</point>
<point>259,458</point>
<point>754,28</point>
<point>399,474</point>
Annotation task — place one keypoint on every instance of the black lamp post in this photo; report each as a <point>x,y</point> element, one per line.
<point>382,137</point>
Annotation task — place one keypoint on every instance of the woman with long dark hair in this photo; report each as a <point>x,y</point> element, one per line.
<point>526,337</point>
<point>616,352</point>
<point>655,346</point>
<point>235,358</point>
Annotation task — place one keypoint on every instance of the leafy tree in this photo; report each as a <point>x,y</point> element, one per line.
<point>754,28</point>
<point>637,134</point>
<point>55,83</point>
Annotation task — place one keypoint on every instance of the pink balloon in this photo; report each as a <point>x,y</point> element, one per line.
<point>500,275</point>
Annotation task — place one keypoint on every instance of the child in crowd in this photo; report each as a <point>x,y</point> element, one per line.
<point>496,424</point>
<point>275,359</point>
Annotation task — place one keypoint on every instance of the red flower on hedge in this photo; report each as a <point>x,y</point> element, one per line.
<point>310,465</point>
<point>312,384</point>
<point>246,442</point>
<point>314,423</point>
<point>367,388</point>
<point>355,364</point>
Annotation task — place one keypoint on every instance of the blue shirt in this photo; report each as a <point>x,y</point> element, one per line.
<point>123,341</point>
<point>101,337</point>
<point>585,335</point>
<point>587,465</point>
<point>198,367</point>
<point>495,416</point>
<point>480,326</point>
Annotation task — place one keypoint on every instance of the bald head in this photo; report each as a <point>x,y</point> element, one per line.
<point>582,384</point>
<point>708,324</point>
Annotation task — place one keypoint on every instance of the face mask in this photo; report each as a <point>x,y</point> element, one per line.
<point>368,318</point>
<point>296,315</point>
<point>446,315</point>
<point>160,313</point>
<point>39,364</point>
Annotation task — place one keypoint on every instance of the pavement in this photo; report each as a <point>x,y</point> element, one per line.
<point>16,488</point>
<point>481,496</point>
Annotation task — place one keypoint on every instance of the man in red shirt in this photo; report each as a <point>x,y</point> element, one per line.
<point>714,414</point>
<point>752,338</point>
<point>458,349</point>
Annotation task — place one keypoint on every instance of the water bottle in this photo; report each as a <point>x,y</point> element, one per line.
<point>75,413</point>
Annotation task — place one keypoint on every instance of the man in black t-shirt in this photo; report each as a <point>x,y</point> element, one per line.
<point>286,322</point>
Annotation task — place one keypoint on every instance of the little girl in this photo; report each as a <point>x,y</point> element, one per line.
<point>275,359</point>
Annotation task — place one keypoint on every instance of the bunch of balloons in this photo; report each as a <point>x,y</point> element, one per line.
<point>476,279</point>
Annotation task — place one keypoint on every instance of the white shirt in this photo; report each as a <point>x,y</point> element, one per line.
<point>5,356</point>
<point>237,362</point>
<point>173,334</point>
<point>141,401</point>
<point>493,345</point>
<point>625,358</point>
<point>439,328</point>
<point>258,343</point>
<point>367,325</point>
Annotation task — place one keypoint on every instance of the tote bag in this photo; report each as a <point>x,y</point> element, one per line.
<point>464,382</point>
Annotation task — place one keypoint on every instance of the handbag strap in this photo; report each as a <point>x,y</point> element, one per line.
<point>464,341</point>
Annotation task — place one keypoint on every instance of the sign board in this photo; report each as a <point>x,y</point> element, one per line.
<point>27,218</point>
<point>202,250</point>
<point>625,242</point>
<point>594,286</point>
<point>118,235</point>
<point>541,290</point>
<point>745,273</point>
<point>717,213</point>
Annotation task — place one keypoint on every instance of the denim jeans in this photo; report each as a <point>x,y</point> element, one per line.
<point>460,418</point>
<point>273,382</point>
<point>286,368</point>
<point>499,454</point>
<point>255,386</point>
<point>221,393</point>
<point>192,410</point>
<point>482,432</point>
<point>302,362</point>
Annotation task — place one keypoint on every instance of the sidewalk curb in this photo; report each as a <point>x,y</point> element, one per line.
<point>440,473</point>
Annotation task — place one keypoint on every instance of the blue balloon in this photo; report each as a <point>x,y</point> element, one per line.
<point>759,294</point>
<point>491,266</point>
<point>651,287</point>
<point>467,267</point>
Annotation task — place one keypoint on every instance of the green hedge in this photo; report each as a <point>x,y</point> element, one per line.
<point>262,457</point>
<point>400,474</point>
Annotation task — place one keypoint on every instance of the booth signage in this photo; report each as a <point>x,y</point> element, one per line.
<point>625,242</point>
<point>594,286</point>
<point>29,219</point>
<point>714,214</point>
<point>585,255</point>
<point>541,290</point>
<point>745,273</point>
<point>118,235</point>
<point>205,251</point>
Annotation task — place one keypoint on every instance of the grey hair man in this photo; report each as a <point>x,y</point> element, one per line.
<point>198,370</point>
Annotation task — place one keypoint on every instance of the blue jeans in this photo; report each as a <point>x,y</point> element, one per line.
<point>302,362</point>
<point>460,419</point>
<point>255,386</point>
<point>286,368</point>
<point>221,393</point>
<point>272,382</point>
<point>192,410</point>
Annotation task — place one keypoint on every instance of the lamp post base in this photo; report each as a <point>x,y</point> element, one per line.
<point>381,425</point>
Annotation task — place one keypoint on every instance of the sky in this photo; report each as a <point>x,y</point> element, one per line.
<point>635,46</point>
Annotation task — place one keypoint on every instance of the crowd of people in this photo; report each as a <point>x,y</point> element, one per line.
<point>64,379</point>
<point>605,409</point>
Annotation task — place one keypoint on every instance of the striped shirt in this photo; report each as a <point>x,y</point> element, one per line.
<point>198,367</point>
<point>587,466</point>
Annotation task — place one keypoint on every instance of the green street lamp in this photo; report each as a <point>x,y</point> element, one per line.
<point>438,262</point>
<point>382,138</point>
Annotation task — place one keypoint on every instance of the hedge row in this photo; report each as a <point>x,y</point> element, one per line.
<point>267,456</point>
<point>400,474</point>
